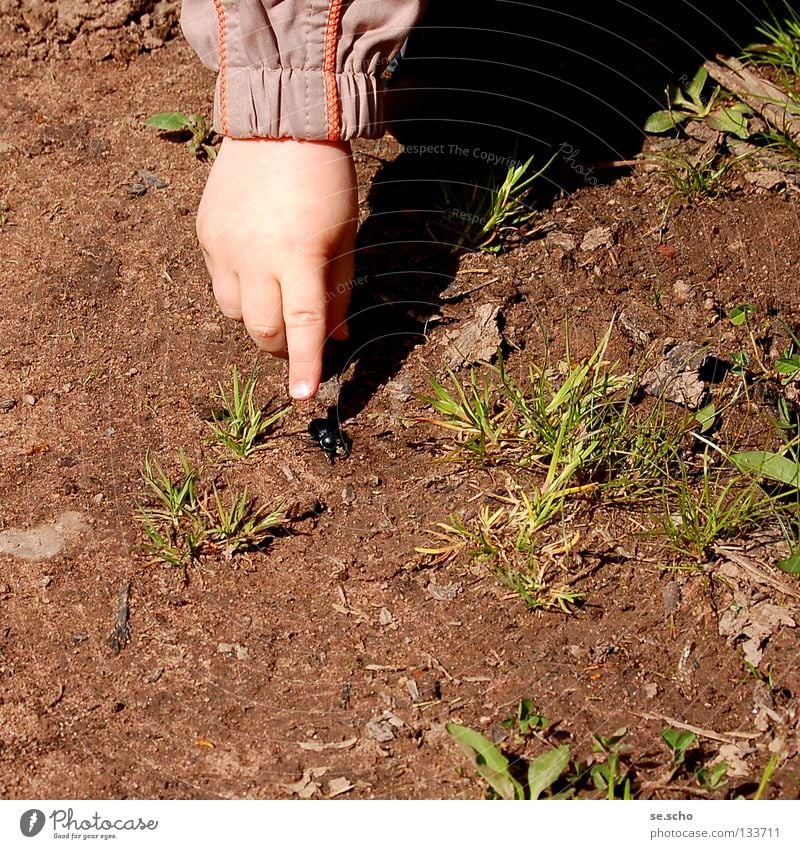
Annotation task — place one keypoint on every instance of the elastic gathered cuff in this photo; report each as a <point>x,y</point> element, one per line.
<point>287,103</point>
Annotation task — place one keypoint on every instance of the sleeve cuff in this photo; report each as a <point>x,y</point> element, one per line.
<point>287,103</point>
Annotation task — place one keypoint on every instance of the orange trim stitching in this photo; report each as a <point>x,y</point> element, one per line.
<point>222,31</point>
<point>329,69</point>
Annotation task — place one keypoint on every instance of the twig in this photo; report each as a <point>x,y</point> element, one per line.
<point>121,634</point>
<point>729,737</point>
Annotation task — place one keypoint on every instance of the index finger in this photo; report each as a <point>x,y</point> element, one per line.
<point>304,315</point>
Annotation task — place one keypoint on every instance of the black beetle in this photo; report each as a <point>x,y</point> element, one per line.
<point>331,438</point>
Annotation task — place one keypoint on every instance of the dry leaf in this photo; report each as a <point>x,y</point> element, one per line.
<point>337,786</point>
<point>307,786</point>
<point>756,623</point>
<point>476,339</point>
<point>599,237</point>
<point>677,377</point>
<point>734,755</point>
<point>443,592</point>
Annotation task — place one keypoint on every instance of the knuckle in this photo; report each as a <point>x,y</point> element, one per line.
<point>305,316</point>
<point>230,311</point>
<point>266,335</point>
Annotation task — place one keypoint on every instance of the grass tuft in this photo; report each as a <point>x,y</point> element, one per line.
<point>782,46</point>
<point>242,426</point>
<point>186,520</point>
<point>484,217</point>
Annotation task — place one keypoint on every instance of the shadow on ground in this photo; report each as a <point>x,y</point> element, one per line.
<point>484,85</point>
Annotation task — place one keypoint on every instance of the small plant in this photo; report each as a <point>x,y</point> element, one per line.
<point>566,437</point>
<point>482,218</point>
<point>494,767</point>
<point>782,469</point>
<point>697,181</point>
<point>688,103</point>
<point>711,779</point>
<point>177,498</point>
<point>201,136</point>
<point>506,540</point>
<point>678,742</point>
<point>608,773</point>
<point>766,776</point>
<point>242,425</point>
<point>173,526</point>
<point>241,526</point>
<point>554,423</point>
<point>706,506</point>
<point>525,721</point>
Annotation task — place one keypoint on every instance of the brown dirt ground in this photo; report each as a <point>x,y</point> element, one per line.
<point>108,324</point>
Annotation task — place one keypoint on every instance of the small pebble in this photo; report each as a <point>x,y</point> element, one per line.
<point>149,179</point>
<point>651,690</point>
<point>30,400</point>
<point>671,598</point>
<point>212,331</point>
<point>348,495</point>
<point>682,292</point>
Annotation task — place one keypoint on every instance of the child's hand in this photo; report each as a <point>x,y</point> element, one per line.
<point>277,225</point>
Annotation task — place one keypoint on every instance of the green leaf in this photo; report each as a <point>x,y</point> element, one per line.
<point>726,120</point>
<point>774,467</point>
<point>706,417</point>
<point>678,742</point>
<point>609,744</point>
<point>664,121</point>
<point>601,776</point>
<point>738,315</point>
<point>696,86</point>
<point>718,774</point>
<point>791,565</point>
<point>788,364</point>
<point>546,769</point>
<point>171,122</point>
<point>489,762</point>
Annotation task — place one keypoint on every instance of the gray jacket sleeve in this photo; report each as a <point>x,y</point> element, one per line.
<point>301,69</point>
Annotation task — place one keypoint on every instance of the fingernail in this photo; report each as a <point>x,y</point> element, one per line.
<point>301,390</point>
